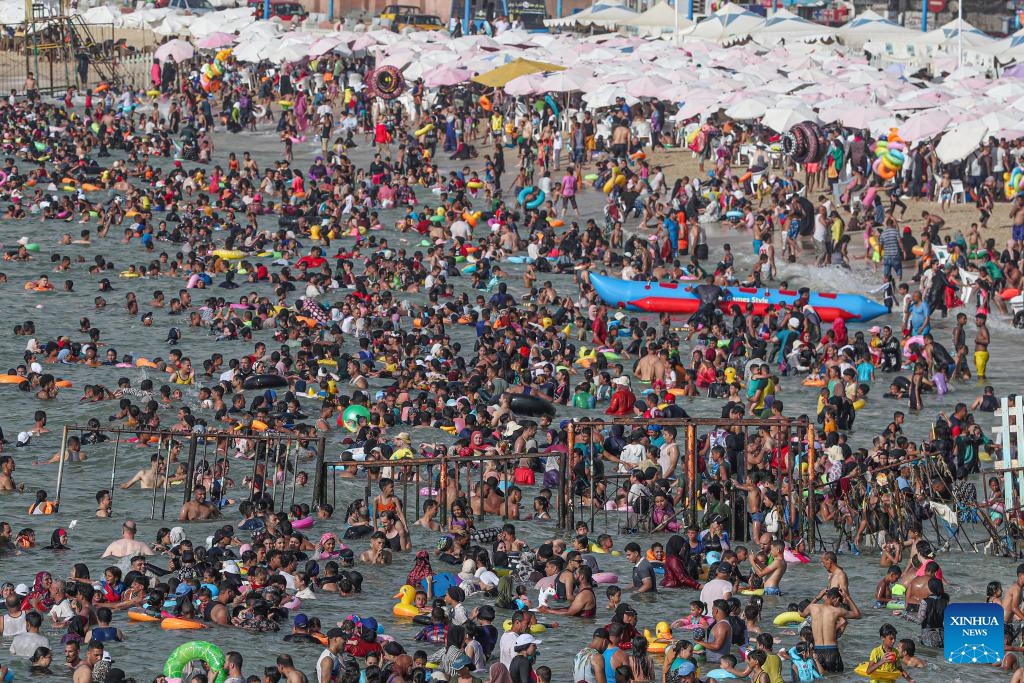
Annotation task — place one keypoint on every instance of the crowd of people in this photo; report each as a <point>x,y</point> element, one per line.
<point>326,312</point>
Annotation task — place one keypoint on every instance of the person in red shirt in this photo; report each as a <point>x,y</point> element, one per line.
<point>623,399</point>
<point>365,640</point>
<point>315,259</point>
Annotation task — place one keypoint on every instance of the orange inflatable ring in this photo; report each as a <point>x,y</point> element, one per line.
<point>809,382</point>
<point>89,187</point>
<point>144,363</point>
<point>102,87</point>
<point>63,383</point>
<point>556,222</point>
<point>638,156</point>
<point>485,103</point>
<point>677,392</point>
<point>12,379</point>
<point>310,322</point>
<point>175,624</point>
<point>141,616</point>
<point>746,176</point>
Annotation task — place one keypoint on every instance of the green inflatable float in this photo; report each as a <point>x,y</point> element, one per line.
<point>190,651</point>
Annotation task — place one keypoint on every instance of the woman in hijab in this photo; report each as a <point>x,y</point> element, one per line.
<point>677,552</point>
<point>421,570</point>
<point>329,547</point>
<point>58,540</point>
<point>498,673</point>
<point>39,597</point>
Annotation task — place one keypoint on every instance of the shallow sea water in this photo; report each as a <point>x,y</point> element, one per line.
<point>147,647</point>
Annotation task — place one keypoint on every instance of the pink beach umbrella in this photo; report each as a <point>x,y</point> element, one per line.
<point>216,40</point>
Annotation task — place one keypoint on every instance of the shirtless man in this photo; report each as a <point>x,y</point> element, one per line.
<point>584,603</point>
<point>836,574</point>
<point>83,673</point>
<point>378,553</point>
<point>651,366</point>
<point>198,508</point>
<point>1012,597</point>
<point>149,478</point>
<point>827,619</point>
<point>981,342</point>
<point>286,667</point>
<point>773,572</point>
<point>1017,221</point>
<point>7,475</point>
<point>220,613</point>
<point>126,546</point>
<point>103,503</point>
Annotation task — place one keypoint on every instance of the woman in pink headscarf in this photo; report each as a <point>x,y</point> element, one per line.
<point>329,546</point>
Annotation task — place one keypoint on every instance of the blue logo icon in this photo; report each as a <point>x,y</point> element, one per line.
<point>973,633</point>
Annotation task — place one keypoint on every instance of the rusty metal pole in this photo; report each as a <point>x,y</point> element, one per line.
<point>811,512</point>
<point>691,470</point>
<point>442,490</point>
<point>320,482</point>
<point>565,510</point>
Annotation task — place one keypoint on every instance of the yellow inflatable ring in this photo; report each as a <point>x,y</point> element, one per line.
<point>788,619</point>
<point>862,670</point>
<point>535,629</point>
<point>228,254</point>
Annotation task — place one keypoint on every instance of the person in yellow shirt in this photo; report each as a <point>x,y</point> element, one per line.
<point>885,661</point>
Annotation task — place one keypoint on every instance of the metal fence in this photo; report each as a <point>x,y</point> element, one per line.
<point>274,460</point>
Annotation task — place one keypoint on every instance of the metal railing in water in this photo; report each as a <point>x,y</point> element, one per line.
<point>569,502</point>
<point>277,454</point>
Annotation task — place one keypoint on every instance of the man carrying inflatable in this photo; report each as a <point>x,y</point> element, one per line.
<point>710,296</point>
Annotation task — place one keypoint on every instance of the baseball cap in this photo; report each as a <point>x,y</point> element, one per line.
<point>685,669</point>
<point>369,623</point>
<point>526,640</point>
<point>464,660</point>
<point>301,620</point>
<point>601,633</point>
<point>21,589</point>
<point>336,633</point>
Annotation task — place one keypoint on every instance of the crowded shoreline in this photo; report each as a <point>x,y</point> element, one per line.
<point>414,282</point>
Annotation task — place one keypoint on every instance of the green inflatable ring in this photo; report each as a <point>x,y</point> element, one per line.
<point>899,590</point>
<point>196,649</point>
<point>31,246</point>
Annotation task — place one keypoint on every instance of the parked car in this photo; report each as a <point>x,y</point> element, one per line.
<point>391,12</point>
<point>419,22</point>
<point>191,6</point>
<point>282,9</point>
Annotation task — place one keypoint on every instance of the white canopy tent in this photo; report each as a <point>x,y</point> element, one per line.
<point>871,26</point>
<point>659,18</point>
<point>784,26</point>
<point>603,14</point>
<point>731,23</point>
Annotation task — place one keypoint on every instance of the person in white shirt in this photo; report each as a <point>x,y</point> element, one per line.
<point>25,644</point>
<point>62,609</point>
<point>14,620</point>
<point>507,644</point>
<point>718,588</point>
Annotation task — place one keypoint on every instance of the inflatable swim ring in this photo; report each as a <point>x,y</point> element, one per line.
<point>788,619</point>
<point>176,624</point>
<point>192,650</point>
<point>862,670</point>
<point>535,629</point>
